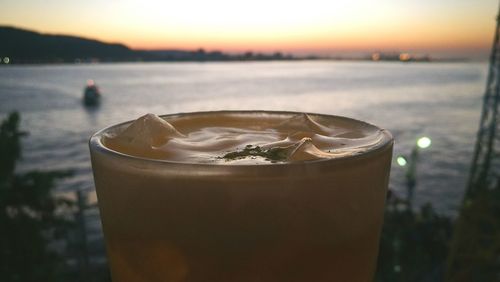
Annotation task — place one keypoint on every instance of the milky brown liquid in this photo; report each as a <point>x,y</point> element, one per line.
<point>178,210</point>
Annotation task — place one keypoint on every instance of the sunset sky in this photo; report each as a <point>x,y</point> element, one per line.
<point>441,28</point>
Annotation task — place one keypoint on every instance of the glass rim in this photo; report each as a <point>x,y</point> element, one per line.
<point>387,140</point>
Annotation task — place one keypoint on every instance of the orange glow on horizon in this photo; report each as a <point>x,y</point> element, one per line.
<point>355,41</point>
<point>266,26</point>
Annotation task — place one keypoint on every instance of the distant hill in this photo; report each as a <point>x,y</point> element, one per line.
<point>24,46</point>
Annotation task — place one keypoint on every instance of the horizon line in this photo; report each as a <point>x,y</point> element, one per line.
<point>481,52</point>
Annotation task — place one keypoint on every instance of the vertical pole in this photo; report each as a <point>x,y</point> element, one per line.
<point>470,254</point>
<point>82,230</point>
<point>487,127</point>
<point>411,176</point>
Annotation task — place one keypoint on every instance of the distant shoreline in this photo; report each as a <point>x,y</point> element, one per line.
<point>25,47</point>
<point>236,61</point>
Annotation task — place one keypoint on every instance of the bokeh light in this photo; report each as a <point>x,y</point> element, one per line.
<point>424,142</point>
<point>401,161</point>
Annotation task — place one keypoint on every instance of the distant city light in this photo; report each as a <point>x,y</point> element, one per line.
<point>424,142</point>
<point>6,60</point>
<point>401,161</point>
<point>404,57</point>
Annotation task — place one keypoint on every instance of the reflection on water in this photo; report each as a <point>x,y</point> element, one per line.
<point>439,100</point>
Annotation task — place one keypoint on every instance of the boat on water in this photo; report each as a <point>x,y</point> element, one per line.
<point>91,94</point>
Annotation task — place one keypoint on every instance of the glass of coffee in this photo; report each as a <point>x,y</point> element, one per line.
<point>242,196</point>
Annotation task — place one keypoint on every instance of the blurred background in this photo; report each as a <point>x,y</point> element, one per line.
<point>417,68</point>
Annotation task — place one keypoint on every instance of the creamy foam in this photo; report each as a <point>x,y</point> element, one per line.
<point>243,137</point>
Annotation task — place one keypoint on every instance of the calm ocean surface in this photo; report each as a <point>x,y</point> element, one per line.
<point>440,100</point>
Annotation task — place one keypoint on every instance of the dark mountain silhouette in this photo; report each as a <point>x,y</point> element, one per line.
<point>25,46</point>
<point>28,46</point>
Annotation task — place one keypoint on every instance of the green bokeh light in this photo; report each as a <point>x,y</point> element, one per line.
<point>424,142</point>
<point>401,161</point>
